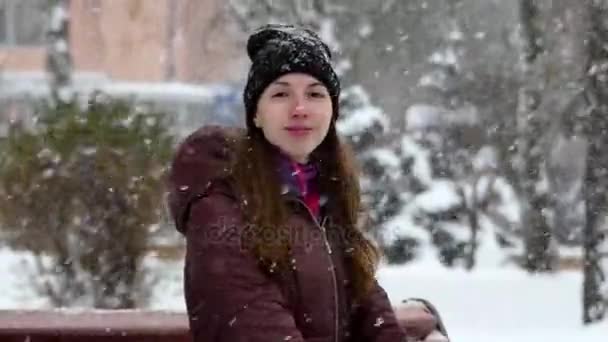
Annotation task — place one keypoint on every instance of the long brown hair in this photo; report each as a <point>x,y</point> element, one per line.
<point>265,209</point>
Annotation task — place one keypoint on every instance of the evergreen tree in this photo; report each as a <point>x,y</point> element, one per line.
<point>81,190</point>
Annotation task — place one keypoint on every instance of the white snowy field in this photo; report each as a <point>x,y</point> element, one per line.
<point>486,305</point>
<point>498,305</point>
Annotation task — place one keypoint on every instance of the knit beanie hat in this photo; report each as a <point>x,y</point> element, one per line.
<point>276,50</point>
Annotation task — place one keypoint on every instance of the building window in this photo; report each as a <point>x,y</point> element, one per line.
<point>23,22</point>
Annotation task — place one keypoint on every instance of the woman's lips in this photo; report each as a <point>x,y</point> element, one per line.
<point>298,130</point>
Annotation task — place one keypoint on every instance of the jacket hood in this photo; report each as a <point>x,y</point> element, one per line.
<point>202,160</point>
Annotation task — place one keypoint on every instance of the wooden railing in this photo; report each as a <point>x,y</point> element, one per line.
<point>93,326</point>
<point>99,325</point>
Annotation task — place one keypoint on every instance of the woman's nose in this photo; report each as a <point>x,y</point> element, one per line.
<point>299,108</point>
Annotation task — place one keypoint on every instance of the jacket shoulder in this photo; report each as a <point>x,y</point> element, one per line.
<point>202,159</point>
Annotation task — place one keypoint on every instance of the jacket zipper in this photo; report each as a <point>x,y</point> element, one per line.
<point>321,226</point>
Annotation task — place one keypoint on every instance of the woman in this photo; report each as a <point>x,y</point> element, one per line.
<point>271,214</point>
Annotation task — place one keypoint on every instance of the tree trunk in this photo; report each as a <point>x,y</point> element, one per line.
<point>576,68</point>
<point>531,122</point>
<point>595,189</point>
<point>596,174</point>
<point>472,213</point>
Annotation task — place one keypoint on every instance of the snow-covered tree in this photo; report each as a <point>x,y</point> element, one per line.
<point>319,15</point>
<point>365,126</point>
<point>452,184</point>
<point>81,190</point>
<point>252,14</point>
<point>59,60</point>
<point>449,120</point>
<point>449,204</point>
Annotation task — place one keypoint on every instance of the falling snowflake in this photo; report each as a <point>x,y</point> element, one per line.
<point>379,322</point>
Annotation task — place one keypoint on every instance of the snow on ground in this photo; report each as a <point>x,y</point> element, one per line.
<point>14,289</point>
<point>490,304</point>
<point>498,305</point>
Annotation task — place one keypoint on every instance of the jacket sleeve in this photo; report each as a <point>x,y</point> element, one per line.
<point>227,296</point>
<point>375,319</point>
<point>434,311</point>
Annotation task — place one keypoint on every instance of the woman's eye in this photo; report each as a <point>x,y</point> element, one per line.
<point>317,94</point>
<point>280,94</point>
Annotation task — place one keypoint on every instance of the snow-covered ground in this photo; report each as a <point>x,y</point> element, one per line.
<point>489,304</point>
<point>498,305</point>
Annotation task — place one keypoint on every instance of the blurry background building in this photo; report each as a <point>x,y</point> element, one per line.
<point>168,52</point>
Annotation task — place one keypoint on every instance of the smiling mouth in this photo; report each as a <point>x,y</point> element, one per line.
<point>298,130</point>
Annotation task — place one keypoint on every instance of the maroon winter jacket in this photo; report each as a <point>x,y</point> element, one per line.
<point>228,297</point>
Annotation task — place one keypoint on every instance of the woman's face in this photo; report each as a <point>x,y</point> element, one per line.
<point>295,112</point>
